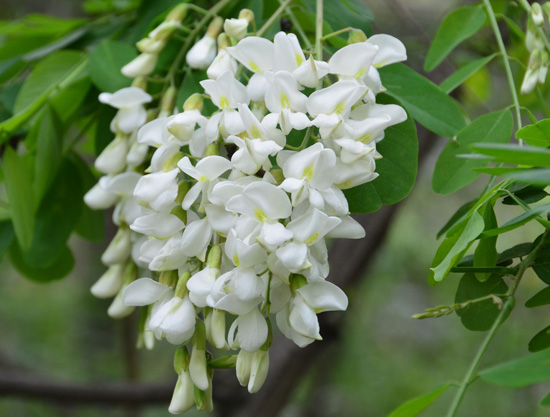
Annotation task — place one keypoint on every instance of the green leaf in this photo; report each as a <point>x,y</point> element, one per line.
<point>459,214</point>
<point>6,236</point>
<point>537,134</point>
<point>514,154</point>
<point>49,148</point>
<point>541,298</point>
<point>103,135</point>
<point>105,64</point>
<point>56,216</point>
<point>424,100</point>
<point>518,221</point>
<point>520,373</point>
<point>397,168</point>
<point>540,177</point>
<point>462,74</point>
<point>18,180</point>
<point>545,401</point>
<point>452,249</point>
<point>48,73</point>
<point>414,407</point>
<point>518,251</point>
<point>90,224</point>
<point>456,27</point>
<point>452,173</point>
<point>540,341</point>
<point>486,253</point>
<point>68,103</point>
<point>58,268</point>
<point>479,316</point>
<point>542,261</point>
<point>528,194</point>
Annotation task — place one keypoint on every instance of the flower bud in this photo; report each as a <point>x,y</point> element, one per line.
<point>215,27</point>
<point>546,9</point>
<point>356,36</point>
<point>168,102</point>
<point>146,338</point>
<point>151,46</point>
<point>109,283</point>
<point>178,13</point>
<point>119,249</point>
<point>216,329</point>
<point>201,55</point>
<point>198,364</point>
<point>259,368</point>
<point>137,154</point>
<point>212,149</point>
<point>99,199</point>
<point>172,161</point>
<point>236,28</point>
<point>194,102</point>
<point>278,175</point>
<point>117,309</point>
<point>203,399</point>
<point>183,397</point>
<point>181,287</point>
<point>144,64</point>
<point>536,14</point>
<point>164,31</point>
<point>222,63</point>
<point>243,368</point>
<point>169,278</point>
<point>112,159</point>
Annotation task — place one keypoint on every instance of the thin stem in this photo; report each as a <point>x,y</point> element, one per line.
<point>506,309</point>
<point>505,59</point>
<point>319,31</point>
<point>273,17</point>
<point>298,27</point>
<point>333,34</point>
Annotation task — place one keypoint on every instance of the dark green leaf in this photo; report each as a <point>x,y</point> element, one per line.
<point>514,154</point>
<point>542,261</point>
<point>452,173</point>
<point>518,221</point>
<point>424,100</point>
<point>58,268</point>
<point>18,179</point>
<point>56,216</point>
<point>452,249</point>
<point>9,68</point>
<point>537,134</point>
<point>540,177</point>
<point>479,316</point>
<point>521,372</point>
<point>462,74</point>
<point>456,27</point>
<point>541,298</point>
<point>545,401</point>
<point>49,148</point>
<point>48,73</point>
<point>68,102</point>
<point>527,194</point>
<point>105,64</point>
<point>6,236</point>
<point>414,407</point>
<point>397,169</point>
<point>518,251</point>
<point>486,253</point>
<point>540,341</point>
<point>103,134</point>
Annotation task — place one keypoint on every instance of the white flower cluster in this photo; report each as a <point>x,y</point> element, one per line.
<point>233,219</point>
<point>539,58</point>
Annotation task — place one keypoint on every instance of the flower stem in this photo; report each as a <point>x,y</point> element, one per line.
<point>273,17</point>
<point>319,31</point>
<point>298,27</point>
<point>505,59</point>
<point>506,309</point>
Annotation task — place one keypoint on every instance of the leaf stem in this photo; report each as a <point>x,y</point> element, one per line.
<point>506,309</point>
<point>505,59</point>
<point>319,31</point>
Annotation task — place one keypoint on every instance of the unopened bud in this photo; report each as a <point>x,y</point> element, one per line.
<point>258,370</point>
<point>247,14</point>
<point>223,41</point>
<point>183,189</point>
<point>277,175</point>
<point>119,249</point>
<point>181,287</point>
<point>184,397</point>
<point>172,161</point>
<point>356,36</point>
<point>140,83</point>
<point>168,102</point>
<point>169,278</point>
<point>194,102</point>
<point>112,159</point>
<point>536,14</point>
<point>244,364</point>
<point>144,64</point>
<point>109,283</point>
<point>178,13</point>
<point>198,363</point>
<point>212,149</point>
<point>215,27</point>
<point>214,259</point>
<point>535,59</point>
<point>236,28</point>
<point>151,46</point>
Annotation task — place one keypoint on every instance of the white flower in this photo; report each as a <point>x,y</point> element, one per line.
<point>236,28</point>
<point>98,198</point>
<point>390,50</point>
<point>175,320</point>
<point>222,63</point>
<point>159,225</point>
<point>129,101</point>
<point>112,159</point>
<point>196,238</point>
<point>141,66</point>
<point>200,285</point>
<point>158,190</point>
<point>258,370</point>
<point>353,61</point>
<point>201,55</point>
<point>119,249</point>
<point>109,283</point>
<point>251,331</point>
<point>237,291</point>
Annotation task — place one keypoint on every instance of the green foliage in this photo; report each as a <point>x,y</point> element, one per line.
<point>414,407</point>
<point>461,75</point>
<point>486,254</point>
<point>452,173</point>
<point>57,269</point>
<point>537,134</point>
<point>105,64</point>
<point>514,154</point>
<point>541,298</point>
<point>521,372</point>
<point>459,25</point>
<point>424,100</point>
<point>397,169</point>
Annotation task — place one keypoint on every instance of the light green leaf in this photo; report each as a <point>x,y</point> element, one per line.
<point>479,316</point>
<point>68,103</point>
<point>456,27</point>
<point>424,100</point>
<point>545,401</point>
<point>540,177</point>
<point>518,221</point>
<point>462,74</point>
<point>452,173</point>
<point>105,64</point>
<point>454,246</point>
<point>414,407</point>
<point>49,72</point>
<point>18,180</point>
<point>514,154</point>
<point>486,253</point>
<point>397,168</point>
<point>520,373</point>
<point>537,134</point>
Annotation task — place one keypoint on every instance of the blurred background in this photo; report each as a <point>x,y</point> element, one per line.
<point>60,331</point>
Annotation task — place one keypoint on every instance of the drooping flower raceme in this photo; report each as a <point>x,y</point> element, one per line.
<point>226,214</point>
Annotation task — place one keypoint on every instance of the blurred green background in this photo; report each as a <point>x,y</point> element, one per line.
<point>61,331</point>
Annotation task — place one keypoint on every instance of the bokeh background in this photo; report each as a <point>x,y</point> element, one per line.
<point>60,331</point>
